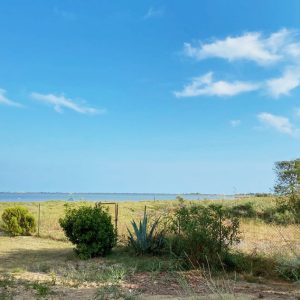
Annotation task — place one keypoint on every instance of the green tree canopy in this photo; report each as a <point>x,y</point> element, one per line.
<point>288,186</point>
<point>288,177</point>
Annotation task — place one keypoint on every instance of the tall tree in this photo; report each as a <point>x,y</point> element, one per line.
<point>288,182</point>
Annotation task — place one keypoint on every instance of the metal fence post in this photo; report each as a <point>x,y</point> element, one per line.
<point>39,219</point>
<point>116,216</point>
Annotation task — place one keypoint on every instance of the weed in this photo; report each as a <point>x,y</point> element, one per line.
<point>6,283</point>
<point>114,292</point>
<point>94,273</point>
<point>17,270</point>
<point>6,280</point>
<point>5,295</point>
<point>44,267</point>
<point>53,277</point>
<point>41,289</point>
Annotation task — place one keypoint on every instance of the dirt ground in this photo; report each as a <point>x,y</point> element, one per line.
<point>141,290</point>
<point>33,268</point>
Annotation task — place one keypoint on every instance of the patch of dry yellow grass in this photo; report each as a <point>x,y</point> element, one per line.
<point>257,236</point>
<point>270,239</point>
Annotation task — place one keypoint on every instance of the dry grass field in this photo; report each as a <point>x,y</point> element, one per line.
<point>256,235</point>
<point>46,267</point>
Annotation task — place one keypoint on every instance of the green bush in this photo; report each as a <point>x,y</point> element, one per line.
<point>203,234</point>
<point>90,229</point>
<point>289,269</point>
<point>145,237</point>
<point>262,195</point>
<point>254,264</point>
<point>245,210</point>
<point>18,221</point>
<point>262,265</point>
<point>278,215</point>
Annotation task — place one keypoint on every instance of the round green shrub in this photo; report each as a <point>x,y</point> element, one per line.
<point>90,229</point>
<point>18,221</point>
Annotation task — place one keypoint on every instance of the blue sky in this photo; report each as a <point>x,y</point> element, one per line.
<point>147,96</point>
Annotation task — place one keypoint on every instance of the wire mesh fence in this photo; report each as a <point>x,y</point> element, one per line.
<point>256,235</point>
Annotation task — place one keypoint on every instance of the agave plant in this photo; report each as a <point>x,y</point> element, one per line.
<point>145,238</point>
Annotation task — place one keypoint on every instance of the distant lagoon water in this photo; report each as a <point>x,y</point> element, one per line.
<point>117,197</point>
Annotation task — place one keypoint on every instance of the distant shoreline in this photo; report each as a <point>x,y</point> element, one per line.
<point>110,193</point>
<point>117,197</point>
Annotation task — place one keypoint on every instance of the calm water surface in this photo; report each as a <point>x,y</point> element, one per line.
<point>12,197</point>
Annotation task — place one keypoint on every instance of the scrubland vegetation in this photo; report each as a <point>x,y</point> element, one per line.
<point>244,248</point>
<point>253,251</point>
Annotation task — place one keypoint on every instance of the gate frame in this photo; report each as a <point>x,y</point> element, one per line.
<point>116,211</point>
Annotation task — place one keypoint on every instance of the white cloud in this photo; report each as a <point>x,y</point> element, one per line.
<point>284,84</point>
<point>281,49</point>
<point>279,123</point>
<point>153,13</point>
<point>6,101</point>
<point>235,123</point>
<point>251,46</point>
<point>61,102</point>
<point>204,85</point>
<point>293,50</point>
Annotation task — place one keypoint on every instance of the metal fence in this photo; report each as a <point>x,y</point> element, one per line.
<point>256,236</point>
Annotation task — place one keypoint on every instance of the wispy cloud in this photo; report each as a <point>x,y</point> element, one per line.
<point>235,123</point>
<point>6,101</point>
<point>205,85</point>
<point>61,102</point>
<point>281,49</point>
<point>279,123</point>
<point>251,46</point>
<point>153,13</point>
<point>280,86</point>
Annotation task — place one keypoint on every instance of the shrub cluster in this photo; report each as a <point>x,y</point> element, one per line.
<point>289,269</point>
<point>90,229</point>
<point>245,210</point>
<point>18,221</point>
<point>282,213</point>
<point>196,234</point>
<point>278,215</point>
<point>204,234</point>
